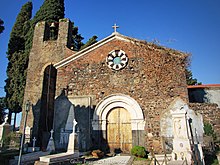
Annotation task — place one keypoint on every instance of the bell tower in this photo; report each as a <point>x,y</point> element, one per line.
<point>50,44</point>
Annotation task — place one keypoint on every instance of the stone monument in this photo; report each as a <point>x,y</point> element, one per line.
<point>51,145</point>
<point>65,132</point>
<point>27,134</point>
<point>5,129</point>
<point>181,142</point>
<point>70,125</point>
<point>70,154</point>
<point>187,127</point>
<point>71,144</point>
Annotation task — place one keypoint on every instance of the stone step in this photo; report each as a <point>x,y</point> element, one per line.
<point>58,157</point>
<point>116,160</point>
<point>177,162</point>
<point>30,157</point>
<point>40,163</point>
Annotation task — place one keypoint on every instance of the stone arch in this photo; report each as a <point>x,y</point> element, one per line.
<point>118,100</point>
<point>47,104</point>
<point>45,66</point>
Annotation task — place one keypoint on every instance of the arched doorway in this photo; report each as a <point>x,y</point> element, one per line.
<point>118,122</point>
<point>119,132</point>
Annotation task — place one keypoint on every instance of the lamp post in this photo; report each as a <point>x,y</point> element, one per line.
<point>27,109</point>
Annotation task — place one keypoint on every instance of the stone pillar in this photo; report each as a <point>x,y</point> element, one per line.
<point>181,141</point>
<point>27,134</point>
<point>71,144</point>
<point>4,131</point>
<point>65,32</point>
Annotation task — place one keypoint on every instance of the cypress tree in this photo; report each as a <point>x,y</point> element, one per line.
<point>17,62</point>
<point>76,38</point>
<point>2,109</point>
<point>189,78</point>
<point>77,43</point>
<point>50,11</point>
<point>1,25</point>
<point>16,41</point>
<point>2,100</point>
<point>91,41</point>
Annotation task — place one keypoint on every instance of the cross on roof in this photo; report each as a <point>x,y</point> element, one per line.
<point>115,27</point>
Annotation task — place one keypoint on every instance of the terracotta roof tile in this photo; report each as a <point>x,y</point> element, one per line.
<point>203,86</point>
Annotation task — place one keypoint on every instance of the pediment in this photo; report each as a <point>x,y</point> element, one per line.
<point>116,36</point>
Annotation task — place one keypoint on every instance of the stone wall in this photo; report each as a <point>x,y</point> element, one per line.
<point>154,76</point>
<point>210,113</point>
<point>205,94</point>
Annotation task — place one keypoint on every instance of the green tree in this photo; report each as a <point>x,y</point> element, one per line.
<point>17,62</point>
<point>189,78</point>
<point>50,11</point>
<point>1,25</point>
<point>77,43</point>
<point>91,41</point>
<point>2,109</point>
<point>2,104</point>
<point>76,38</point>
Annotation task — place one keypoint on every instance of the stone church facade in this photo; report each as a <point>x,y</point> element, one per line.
<point>120,88</point>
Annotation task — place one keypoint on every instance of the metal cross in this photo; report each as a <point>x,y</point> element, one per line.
<point>115,27</point>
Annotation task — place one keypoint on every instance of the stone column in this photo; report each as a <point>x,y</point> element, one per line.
<point>181,141</point>
<point>71,144</point>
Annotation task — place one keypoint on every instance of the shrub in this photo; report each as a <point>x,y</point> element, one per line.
<point>209,130</point>
<point>138,151</point>
<point>11,139</point>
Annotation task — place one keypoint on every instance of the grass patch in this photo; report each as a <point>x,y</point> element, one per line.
<point>138,159</point>
<point>215,162</point>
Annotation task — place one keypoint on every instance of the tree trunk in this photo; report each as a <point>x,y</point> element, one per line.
<point>9,117</point>
<point>14,126</point>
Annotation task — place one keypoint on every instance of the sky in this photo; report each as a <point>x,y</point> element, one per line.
<point>191,26</point>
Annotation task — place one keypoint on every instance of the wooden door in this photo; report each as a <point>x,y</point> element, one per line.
<point>119,133</point>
